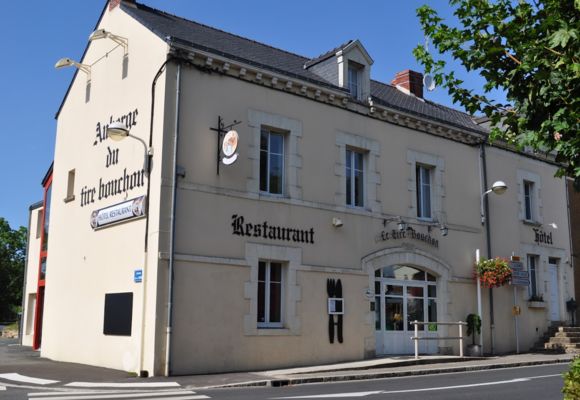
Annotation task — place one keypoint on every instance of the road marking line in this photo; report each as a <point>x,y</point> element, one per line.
<point>73,392</point>
<point>65,392</point>
<point>123,385</point>
<point>457,386</point>
<point>26,379</point>
<point>139,395</point>
<point>332,396</point>
<point>363,394</point>
<point>545,376</point>
<point>2,387</point>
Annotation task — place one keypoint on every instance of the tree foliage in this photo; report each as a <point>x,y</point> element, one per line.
<point>530,50</point>
<point>12,258</point>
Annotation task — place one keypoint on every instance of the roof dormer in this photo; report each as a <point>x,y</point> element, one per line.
<point>347,66</point>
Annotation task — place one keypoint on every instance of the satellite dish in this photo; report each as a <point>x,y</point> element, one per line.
<point>429,82</point>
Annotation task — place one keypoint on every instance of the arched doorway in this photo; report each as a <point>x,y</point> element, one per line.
<point>404,294</point>
<point>408,285</point>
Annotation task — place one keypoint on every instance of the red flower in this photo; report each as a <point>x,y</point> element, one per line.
<point>495,272</point>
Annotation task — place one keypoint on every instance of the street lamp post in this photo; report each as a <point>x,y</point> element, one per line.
<point>499,187</point>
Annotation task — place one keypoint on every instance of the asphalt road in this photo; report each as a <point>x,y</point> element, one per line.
<point>538,382</point>
<point>525,383</point>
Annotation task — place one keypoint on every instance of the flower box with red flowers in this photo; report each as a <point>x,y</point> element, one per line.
<point>494,272</point>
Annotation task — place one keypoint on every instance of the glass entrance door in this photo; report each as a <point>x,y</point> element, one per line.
<point>402,295</point>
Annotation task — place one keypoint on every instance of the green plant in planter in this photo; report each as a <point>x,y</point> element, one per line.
<point>473,326</point>
<point>536,297</point>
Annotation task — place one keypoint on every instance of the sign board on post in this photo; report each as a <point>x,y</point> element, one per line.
<point>520,277</point>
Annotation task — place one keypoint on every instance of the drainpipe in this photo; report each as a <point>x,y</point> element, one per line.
<point>572,256</point>
<point>172,232</point>
<point>488,240</point>
<point>143,373</point>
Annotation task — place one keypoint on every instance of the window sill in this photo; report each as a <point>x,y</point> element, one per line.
<point>274,195</point>
<point>536,304</point>
<point>68,199</point>
<point>531,223</point>
<point>425,220</point>
<point>263,331</point>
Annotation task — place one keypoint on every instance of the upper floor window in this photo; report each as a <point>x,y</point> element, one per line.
<point>271,162</point>
<point>354,79</point>
<point>529,200</point>
<point>270,294</point>
<point>529,197</point>
<point>354,178</point>
<point>423,181</point>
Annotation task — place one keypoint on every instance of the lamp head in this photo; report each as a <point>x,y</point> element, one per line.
<point>98,34</point>
<point>499,187</point>
<point>64,62</point>
<point>117,131</point>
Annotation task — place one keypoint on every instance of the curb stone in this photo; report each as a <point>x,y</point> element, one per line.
<point>380,375</point>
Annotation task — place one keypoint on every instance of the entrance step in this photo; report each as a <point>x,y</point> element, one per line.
<point>560,339</point>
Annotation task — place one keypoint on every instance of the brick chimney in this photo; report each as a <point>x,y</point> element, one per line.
<point>410,80</point>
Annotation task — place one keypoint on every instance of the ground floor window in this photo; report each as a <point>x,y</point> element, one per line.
<point>404,294</point>
<point>533,271</point>
<point>270,294</point>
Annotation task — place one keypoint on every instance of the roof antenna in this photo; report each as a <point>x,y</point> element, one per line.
<point>428,80</point>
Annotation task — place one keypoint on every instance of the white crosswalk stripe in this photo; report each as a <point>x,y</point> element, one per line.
<point>139,385</point>
<point>26,379</point>
<point>181,394</point>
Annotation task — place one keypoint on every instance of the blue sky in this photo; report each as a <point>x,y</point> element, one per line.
<point>34,35</point>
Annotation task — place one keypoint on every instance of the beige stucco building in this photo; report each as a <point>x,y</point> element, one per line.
<point>179,255</point>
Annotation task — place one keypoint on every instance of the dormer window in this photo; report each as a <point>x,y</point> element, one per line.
<point>354,79</point>
<point>347,66</point>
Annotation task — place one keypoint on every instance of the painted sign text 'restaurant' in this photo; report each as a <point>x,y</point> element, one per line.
<point>267,231</point>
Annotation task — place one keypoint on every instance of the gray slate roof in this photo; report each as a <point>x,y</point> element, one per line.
<point>261,55</point>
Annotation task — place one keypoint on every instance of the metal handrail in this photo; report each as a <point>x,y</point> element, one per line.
<point>416,338</point>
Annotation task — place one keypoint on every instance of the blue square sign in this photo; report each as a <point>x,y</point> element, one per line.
<point>138,276</point>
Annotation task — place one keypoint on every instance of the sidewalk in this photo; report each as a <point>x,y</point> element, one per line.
<point>24,361</point>
<point>370,369</point>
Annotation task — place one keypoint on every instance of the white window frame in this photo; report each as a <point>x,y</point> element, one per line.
<point>437,166</point>
<point>267,295</point>
<point>268,152</point>
<point>292,130</point>
<point>424,191</point>
<point>533,261</point>
<point>350,155</point>
<point>70,186</point>
<point>291,259</point>
<point>528,200</point>
<point>535,201</point>
<point>371,176</point>
<point>354,79</point>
